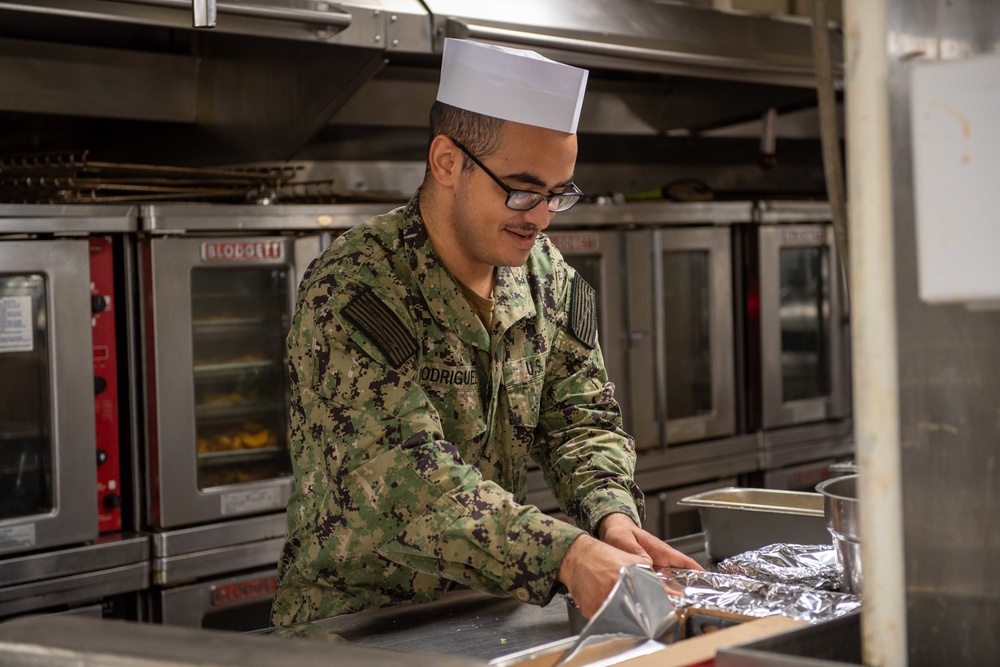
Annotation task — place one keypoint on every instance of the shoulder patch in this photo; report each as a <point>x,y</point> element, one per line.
<point>583,312</point>
<point>380,324</point>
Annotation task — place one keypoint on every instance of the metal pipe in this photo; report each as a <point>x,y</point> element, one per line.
<point>829,136</point>
<point>875,360</point>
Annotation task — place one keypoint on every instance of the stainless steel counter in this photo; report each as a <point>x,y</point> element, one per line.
<point>463,623</point>
<point>464,629</point>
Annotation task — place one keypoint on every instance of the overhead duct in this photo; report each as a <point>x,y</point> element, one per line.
<point>134,81</point>
<point>643,36</point>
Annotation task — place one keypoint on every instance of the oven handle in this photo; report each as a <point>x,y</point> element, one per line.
<point>660,341</point>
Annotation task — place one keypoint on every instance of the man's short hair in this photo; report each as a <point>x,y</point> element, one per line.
<point>479,133</point>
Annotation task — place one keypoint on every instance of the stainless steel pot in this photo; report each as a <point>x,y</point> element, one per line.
<point>841,507</point>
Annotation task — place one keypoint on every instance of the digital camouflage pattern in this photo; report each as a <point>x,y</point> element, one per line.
<point>411,426</point>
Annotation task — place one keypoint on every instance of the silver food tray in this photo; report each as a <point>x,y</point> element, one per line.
<point>742,519</point>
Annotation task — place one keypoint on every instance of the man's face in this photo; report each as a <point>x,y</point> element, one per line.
<point>530,158</point>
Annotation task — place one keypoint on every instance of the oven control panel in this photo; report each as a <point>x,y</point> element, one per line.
<point>102,308</point>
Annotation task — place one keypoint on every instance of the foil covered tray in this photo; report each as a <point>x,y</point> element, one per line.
<point>811,565</point>
<point>736,519</point>
<point>750,598</point>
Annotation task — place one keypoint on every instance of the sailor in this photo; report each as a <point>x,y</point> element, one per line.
<point>435,349</point>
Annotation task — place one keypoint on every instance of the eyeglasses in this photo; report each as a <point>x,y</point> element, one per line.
<point>525,200</point>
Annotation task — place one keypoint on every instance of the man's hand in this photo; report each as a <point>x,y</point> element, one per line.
<point>620,531</point>
<point>590,568</point>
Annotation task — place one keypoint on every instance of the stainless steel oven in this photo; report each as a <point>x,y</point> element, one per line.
<point>240,603</point>
<point>667,283</point>
<point>56,287</point>
<point>65,413</point>
<point>798,311</point>
<point>218,293</point>
<point>689,307</point>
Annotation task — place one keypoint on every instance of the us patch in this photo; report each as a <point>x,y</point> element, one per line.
<point>382,327</point>
<point>583,312</point>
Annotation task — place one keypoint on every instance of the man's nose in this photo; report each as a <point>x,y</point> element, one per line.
<point>540,216</point>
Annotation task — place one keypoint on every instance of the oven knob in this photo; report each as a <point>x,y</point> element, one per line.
<point>112,501</point>
<point>100,384</point>
<point>98,303</point>
<point>102,456</point>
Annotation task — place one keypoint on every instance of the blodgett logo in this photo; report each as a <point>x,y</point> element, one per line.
<point>242,591</point>
<point>241,251</point>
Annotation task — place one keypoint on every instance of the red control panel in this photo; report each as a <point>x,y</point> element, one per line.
<point>102,307</point>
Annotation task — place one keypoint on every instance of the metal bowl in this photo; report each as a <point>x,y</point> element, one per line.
<point>841,507</point>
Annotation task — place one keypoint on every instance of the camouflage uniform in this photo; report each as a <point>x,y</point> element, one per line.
<point>411,427</point>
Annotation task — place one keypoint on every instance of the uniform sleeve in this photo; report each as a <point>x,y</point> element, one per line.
<point>587,459</point>
<point>402,490</point>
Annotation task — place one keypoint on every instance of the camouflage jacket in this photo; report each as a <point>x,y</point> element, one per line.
<point>411,427</point>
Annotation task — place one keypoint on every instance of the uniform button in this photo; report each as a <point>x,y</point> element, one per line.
<point>522,594</point>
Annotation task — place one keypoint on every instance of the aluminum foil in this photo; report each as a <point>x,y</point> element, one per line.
<point>638,615</point>
<point>810,565</point>
<point>743,596</point>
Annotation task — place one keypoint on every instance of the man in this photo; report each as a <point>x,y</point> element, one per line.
<point>438,346</point>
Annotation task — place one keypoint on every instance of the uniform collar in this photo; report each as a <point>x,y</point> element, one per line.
<point>443,295</point>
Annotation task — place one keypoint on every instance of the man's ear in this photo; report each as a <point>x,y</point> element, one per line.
<point>445,161</point>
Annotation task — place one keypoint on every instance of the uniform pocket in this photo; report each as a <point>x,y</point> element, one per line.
<point>523,380</point>
<point>454,393</point>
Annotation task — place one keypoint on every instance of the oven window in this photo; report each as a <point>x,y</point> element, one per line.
<point>688,307</point>
<point>239,322</point>
<point>804,314</point>
<point>25,400</point>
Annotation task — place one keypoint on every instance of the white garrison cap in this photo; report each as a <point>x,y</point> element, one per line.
<point>511,84</point>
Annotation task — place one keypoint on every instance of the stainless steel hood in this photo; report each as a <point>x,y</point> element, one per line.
<point>643,36</point>
<point>133,81</point>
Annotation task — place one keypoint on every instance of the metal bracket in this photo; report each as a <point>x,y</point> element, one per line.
<point>203,13</point>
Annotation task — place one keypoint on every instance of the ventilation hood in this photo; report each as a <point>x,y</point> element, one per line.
<point>133,81</point>
<point>643,36</point>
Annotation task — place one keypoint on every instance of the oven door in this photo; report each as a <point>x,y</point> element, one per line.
<point>48,462</point>
<point>802,342</point>
<point>240,603</point>
<point>217,311</point>
<point>598,257</point>
<point>682,293</point>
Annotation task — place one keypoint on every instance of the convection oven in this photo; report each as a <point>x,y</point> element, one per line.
<point>797,320</point>
<point>218,289</point>
<point>65,411</point>
<point>60,321</point>
<point>801,319</point>
<point>664,274</point>
<point>667,291</point>
<point>218,294</point>
<point>688,305</point>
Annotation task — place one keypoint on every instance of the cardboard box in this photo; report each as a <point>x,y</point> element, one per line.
<point>695,652</point>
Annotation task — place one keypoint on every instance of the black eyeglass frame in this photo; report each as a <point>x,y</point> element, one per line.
<point>538,197</point>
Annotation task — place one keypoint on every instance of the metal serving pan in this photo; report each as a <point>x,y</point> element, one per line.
<point>742,519</point>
